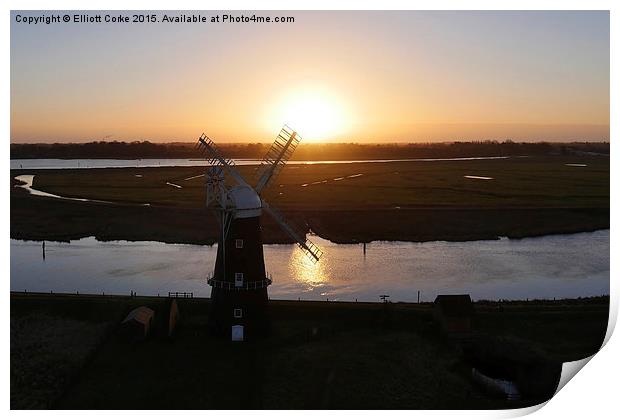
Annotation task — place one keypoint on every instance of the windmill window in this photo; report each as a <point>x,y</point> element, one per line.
<point>238,313</point>
<point>238,279</point>
<point>238,243</point>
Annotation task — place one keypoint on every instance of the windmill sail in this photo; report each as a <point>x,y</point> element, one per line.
<point>305,244</point>
<point>278,154</point>
<point>216,188</point>
<point>214,157</point>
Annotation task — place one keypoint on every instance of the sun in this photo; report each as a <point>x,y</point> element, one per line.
<point>315,113</point>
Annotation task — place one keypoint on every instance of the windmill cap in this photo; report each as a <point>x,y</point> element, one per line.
<point>246,201</point>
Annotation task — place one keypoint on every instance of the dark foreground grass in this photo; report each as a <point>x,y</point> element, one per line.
<point>357,202</point>
<point>319,355</point>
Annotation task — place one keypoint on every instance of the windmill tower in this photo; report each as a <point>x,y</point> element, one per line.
<point>239,283</point>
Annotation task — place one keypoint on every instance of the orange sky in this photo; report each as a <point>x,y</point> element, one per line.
<point>334,76</point>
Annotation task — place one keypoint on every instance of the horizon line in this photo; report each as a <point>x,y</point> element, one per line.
<point>362,143</point>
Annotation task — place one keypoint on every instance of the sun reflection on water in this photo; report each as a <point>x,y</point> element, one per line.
<point>302,269</point>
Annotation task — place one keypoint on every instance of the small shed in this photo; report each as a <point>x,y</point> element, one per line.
<point>453,313</point>
<point>138,323</point>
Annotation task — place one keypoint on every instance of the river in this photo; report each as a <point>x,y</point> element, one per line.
<point>554,266</point>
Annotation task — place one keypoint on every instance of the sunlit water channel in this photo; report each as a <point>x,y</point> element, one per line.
<point>545,267</point>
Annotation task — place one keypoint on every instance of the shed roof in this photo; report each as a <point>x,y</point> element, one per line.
<point>141,314</point>
<point>454,305</point>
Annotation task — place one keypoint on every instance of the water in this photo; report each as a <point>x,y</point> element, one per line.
<point>28,180</point>
<point>559,266</point>
<point>484,178</point>
<point>149,163</point>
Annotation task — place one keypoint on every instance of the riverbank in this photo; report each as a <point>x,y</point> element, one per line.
<point>345,203</point>
<point>65,354</point>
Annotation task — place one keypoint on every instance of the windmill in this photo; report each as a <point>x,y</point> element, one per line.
<point>239,282</point>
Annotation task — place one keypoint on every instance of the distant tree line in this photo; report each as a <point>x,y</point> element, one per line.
<point>308,151</point>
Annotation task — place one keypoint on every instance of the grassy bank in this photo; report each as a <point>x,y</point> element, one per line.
<point>319,355</point>
<point>415,201</point>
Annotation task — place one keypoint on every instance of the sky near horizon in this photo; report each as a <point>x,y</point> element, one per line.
<point>334,76</point>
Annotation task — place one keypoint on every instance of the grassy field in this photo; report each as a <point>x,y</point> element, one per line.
<point>516,183</point>
<point>343,202</point>
<point>319,355</point>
